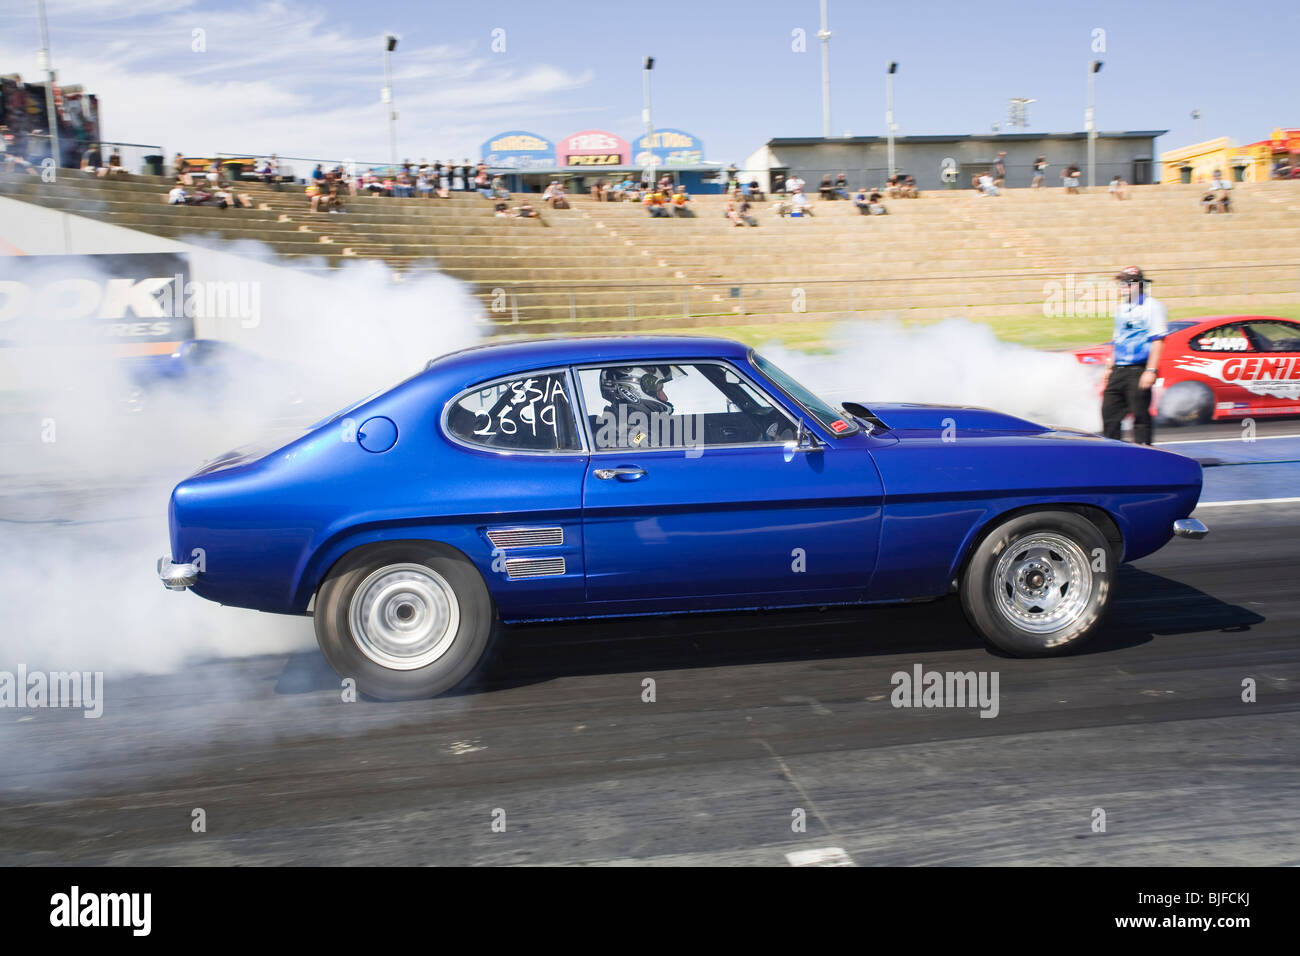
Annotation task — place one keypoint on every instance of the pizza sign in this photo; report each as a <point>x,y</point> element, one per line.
<point>594,147</point>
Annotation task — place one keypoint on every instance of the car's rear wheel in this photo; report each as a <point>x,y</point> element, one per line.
<point>405,620</point>
<point>1039,583</point>
<point>1186,403</point>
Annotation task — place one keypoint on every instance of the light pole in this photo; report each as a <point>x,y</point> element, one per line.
<point>824,34</point>
<point>647,64</point>
<point>43,62</point>
<point>386,95</point>
<point>889,111</point>
<point>1090,123</point>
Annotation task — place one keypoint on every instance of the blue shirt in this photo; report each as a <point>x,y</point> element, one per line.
<point>1137,325</point>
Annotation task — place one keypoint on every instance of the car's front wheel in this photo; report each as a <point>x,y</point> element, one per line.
<point>405,620</point>
<point>1039,583</point>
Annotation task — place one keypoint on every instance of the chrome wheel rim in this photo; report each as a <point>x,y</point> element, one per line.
<point>1043,582</point>
<point>404,616</point>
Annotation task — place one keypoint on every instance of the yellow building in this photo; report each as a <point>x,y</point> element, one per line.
<point>1197,163</point>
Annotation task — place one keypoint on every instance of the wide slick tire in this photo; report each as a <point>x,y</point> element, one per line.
<point>1039,583</point>
<point>1186,403</point>
<point>406,620</point>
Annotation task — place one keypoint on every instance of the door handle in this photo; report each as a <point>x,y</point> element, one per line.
<point>622,473</point>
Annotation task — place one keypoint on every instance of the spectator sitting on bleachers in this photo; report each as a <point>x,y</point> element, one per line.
<point>114,167</point>
<point>841,187</point>
<point>598,190</point>
<point>333,196</point>
<point>231,198</point>
<point>909,190</point>
<point>315,195</point>
<point>92,159</point>
<point>875,205</point>
<point>178,196</point>
<point>205,197</point>
<point>179,166</point>
<point>827,191</point>
<point>737,210</point>
<point>794,184</point>
<point>755,191</point>
<point>555,196</point>
<point>1118,187</point>
<point>502,210</point>
<point>860,202</point>
<point>680,204</point>
<point>656,204</point>
<point>1217,200</point>
<point>1070,179</point>
<point>987,185</point>
<point>778,184</point>
<point>799,204</point>
<point>525,210</point>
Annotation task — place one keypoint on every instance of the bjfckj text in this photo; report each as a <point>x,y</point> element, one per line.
<point>1195,899</point>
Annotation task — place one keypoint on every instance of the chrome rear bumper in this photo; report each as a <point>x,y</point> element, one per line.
<point>1190,528</point>
<point>176,577</point>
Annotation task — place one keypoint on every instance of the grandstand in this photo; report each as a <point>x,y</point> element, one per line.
<point>602,266</point>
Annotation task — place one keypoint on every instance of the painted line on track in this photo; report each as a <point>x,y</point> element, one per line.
<point>1211,441</point>
<point>1247,501</point>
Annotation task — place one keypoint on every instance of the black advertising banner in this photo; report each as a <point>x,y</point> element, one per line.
<point>118,299</point>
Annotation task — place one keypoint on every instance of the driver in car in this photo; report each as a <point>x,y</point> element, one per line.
<point>637,401</point>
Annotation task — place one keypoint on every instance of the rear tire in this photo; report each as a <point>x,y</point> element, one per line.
<point>406,620</point>
<point>1186,403</point>
<point>1039,584</point>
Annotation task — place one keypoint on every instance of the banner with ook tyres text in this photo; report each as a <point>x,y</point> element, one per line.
<point>85,300</point>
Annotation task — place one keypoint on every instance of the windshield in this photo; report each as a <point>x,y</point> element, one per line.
<point>814,406</point>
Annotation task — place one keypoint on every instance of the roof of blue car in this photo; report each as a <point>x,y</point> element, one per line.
<point>506,358</point>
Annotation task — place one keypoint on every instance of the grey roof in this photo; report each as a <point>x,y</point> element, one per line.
<point>962,137</point>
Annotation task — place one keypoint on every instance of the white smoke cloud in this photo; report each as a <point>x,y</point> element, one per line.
<point>84,515</point>
<point>953,362</point>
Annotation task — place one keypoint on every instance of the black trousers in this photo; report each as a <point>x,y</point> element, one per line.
<point>1123,395</point>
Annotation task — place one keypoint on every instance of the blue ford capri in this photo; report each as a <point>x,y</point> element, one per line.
<point>606,476</point>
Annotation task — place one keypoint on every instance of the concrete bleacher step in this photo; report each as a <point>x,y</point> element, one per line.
<point>611,262</point>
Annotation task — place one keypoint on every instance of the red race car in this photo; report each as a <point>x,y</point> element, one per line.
<point>1222,367</point>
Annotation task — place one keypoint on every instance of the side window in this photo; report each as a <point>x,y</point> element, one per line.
<point>1275,336</point>
<point>1224,338</point>
<point>673,406</point>
<point>523,413</point>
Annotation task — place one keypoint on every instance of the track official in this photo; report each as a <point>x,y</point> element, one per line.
<point>1141,324</point>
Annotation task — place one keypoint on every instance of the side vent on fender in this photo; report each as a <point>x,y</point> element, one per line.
<point>525,537</point>
<point>533,567</point>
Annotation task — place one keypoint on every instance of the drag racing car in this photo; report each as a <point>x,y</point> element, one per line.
<point>614,476</point>
<point>1221,367</point>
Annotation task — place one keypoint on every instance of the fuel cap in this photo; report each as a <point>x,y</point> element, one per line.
<point>377,434</point>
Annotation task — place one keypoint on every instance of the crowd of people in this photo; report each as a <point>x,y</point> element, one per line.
<point>327,189</point>
<point>199,186</point>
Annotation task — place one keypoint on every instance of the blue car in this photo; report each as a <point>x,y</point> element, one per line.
<point>612,476</point>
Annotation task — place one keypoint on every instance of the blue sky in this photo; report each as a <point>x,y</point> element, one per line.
<point>304,78</point>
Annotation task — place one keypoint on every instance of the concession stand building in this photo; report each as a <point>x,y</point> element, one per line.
<point>529,161</point>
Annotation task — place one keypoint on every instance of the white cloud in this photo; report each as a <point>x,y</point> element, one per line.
<point>283,76</point>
